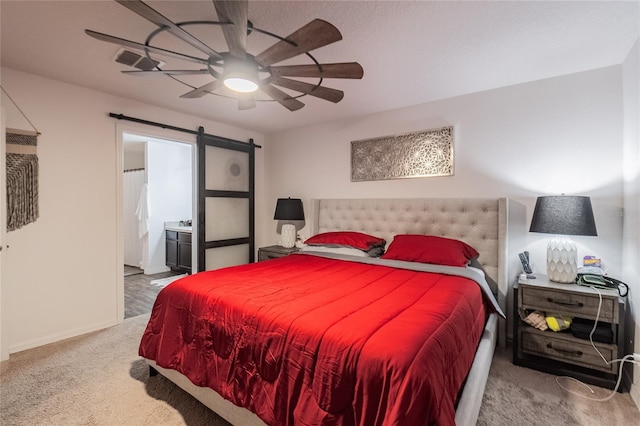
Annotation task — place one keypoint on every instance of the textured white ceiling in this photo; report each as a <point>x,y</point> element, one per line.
<point>412,52</point>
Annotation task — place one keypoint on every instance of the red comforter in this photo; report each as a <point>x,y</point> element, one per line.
<point>305,340</point>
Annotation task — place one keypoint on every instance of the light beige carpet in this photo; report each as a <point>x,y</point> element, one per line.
<point>521,396</point>
<point>95,379</point>
<point>98,379</point>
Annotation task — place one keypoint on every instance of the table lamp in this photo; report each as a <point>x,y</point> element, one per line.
<point>563,215</point>
<point>289,209</point>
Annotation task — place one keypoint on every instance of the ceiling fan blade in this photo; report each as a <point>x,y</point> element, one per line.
<point>133,44</point>
<point>236,12</point>
<point>325,93</point>
<point>203,90</point>
<point>340,70</point>
<point>160,20</point>
<point>246,102</point>
<point>281,97</point>
<point>165,72</point>
<point>315,34</point>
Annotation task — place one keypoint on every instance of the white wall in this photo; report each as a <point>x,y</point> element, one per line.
<point>63,270</point>
<point>4,341</point>
<point>169,175</point>
<point>560,135</point>
<point>134,159</point>
<point>631,240</point>
<point>134,244</point>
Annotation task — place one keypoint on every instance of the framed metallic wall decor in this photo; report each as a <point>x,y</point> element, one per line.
<point>418,154</point>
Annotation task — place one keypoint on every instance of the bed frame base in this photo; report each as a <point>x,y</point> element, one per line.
<point>211,399</point>
<point>471,397</point>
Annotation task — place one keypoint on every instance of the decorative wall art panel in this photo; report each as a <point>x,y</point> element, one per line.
<point>418,154</point>
<point>22,178</point>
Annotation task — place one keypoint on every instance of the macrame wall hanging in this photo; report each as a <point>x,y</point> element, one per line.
<point>22,175</point>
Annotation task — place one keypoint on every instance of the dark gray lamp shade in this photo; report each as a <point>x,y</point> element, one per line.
<point>289,209</point>
<point>563,215</point>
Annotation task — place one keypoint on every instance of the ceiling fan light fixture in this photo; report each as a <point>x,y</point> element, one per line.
<point>240,76</point>
<point>241,85</point>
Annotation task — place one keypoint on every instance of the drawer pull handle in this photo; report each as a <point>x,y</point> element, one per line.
<point>565,351</point>
<point>560,302</point>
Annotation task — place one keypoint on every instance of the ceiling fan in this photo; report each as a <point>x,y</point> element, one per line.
<point>237,69</point>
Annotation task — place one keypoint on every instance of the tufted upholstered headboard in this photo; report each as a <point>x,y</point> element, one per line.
<point>474,221</point>
<point>481,223</point>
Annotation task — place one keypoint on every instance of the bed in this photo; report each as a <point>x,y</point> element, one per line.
<point>325,338</point>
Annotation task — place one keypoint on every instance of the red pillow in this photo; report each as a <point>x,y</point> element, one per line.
<point>430,249</point>
<point>346,238</point>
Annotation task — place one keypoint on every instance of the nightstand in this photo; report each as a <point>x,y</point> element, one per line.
<point>274,252</point>
<point>561,353</point>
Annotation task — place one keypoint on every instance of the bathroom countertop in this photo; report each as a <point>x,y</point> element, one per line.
<point>175,226</point>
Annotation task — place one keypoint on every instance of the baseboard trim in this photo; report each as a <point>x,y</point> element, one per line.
<point>60,336</point>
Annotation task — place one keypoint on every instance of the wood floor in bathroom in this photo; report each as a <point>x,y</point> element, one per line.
<point>139,294</point>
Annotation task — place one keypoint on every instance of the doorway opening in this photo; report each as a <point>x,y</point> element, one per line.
<point>157,204</point>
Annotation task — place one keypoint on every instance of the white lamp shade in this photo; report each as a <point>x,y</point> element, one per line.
<point>288,234</point>
<point>562,260</point>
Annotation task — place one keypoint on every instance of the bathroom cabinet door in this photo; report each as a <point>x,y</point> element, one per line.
<point>184,251</point>
<point>178,249</point>
<point>171,245</point>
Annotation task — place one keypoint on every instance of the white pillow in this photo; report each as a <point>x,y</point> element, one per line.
<point>337,250</point>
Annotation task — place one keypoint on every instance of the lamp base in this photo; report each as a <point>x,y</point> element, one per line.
<point>562,264</point>
<point>288,235</point>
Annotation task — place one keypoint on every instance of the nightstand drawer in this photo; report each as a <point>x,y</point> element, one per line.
<point>570,303</point>
<point>566,348</point>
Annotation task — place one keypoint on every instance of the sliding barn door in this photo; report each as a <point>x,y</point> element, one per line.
<point>225,202</point>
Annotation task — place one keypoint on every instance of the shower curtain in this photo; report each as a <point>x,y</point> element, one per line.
<point>132,184</point>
